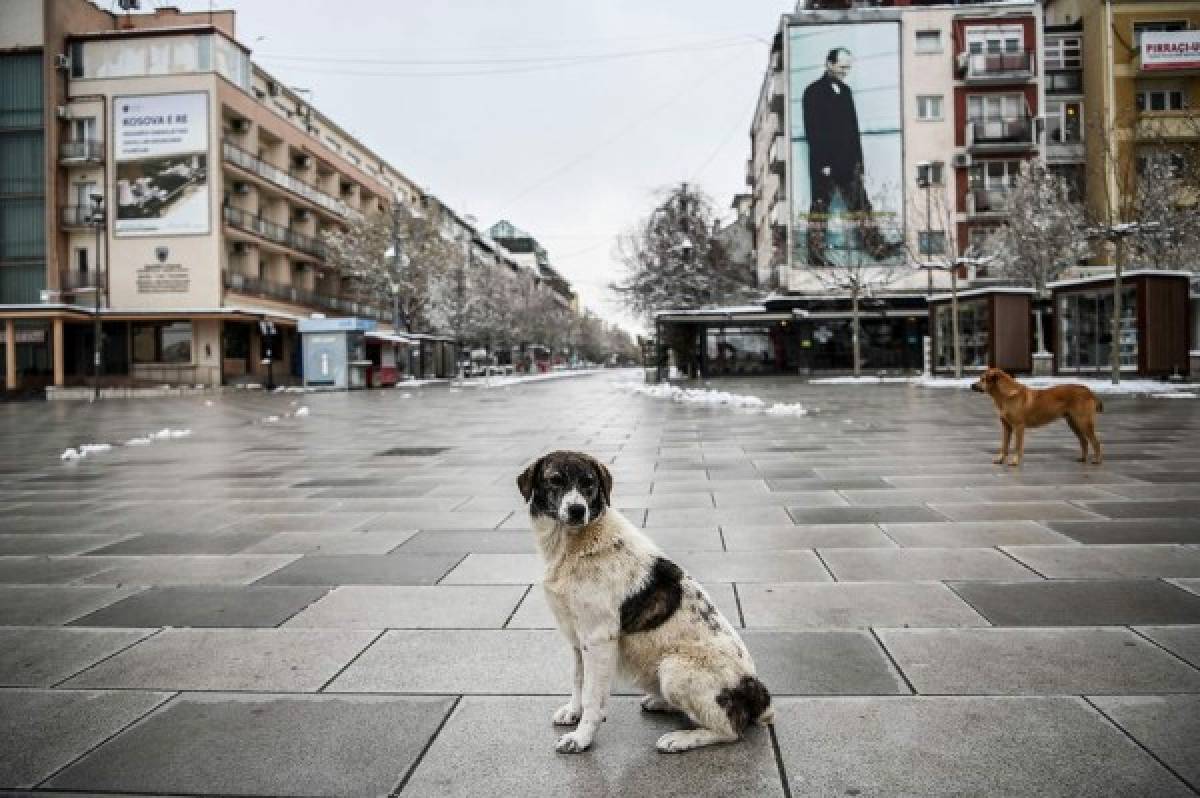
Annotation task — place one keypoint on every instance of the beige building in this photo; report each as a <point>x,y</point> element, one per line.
<point>216,182</point>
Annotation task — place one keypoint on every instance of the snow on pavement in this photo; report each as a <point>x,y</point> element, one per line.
<point>703,396</point>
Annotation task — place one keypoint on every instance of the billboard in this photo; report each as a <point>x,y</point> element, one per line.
<point>1167,50</point>
<point>160,143</point>
<point>847,185</point>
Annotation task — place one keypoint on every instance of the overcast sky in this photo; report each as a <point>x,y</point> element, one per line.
<point>570,117</point>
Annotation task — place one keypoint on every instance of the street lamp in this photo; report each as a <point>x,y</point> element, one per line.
<point>925,181</point>
<point>97,220</point>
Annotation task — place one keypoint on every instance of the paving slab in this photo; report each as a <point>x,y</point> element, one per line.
<point>37,657</point>
<point>1046,661</point>
<point>1081,603</point>
<point>863,515</point>
<point>205,605</point>
<point>802,536</point>
<point>329,543</point>
<point>752,566</point>
<point>31,544</point>
<point>854,604</point>
<point>841,662</point>
<point>54,605</point>
<point>265,745</point>
<point>534,662</point>
<point>1162,508</point>
<point>437,520</point>
<point>796,498</point>
<point>1167,725</point>
<point>412,607</point>
<point>46,570</point>
<point>222,542</point>
<point>296,520</point>
<point>1182,641</point>
<point>674,517</point>
<point>921,564</point>
<point>280,660</point>
<point>1190,585</point>
<point>400,569</point>
<point>497,569</point>
<point>42,731</point>
<point>955,746</point>
<point>184,570</point>
<point>1109,562</point>
<point>462,543</point>
<point>679,539</point>
<point>1011,511</point>
<point>1157,530</point>
<point>622,761</point>
<point>972,534</point>
<point>534,612</point>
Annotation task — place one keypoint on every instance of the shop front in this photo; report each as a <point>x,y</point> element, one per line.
<point>995,330</point>
<point>1154,330</point>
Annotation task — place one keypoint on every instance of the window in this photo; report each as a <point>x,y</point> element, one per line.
<point>929,107</point>
<point>81,260</point>
<point>1064,82</point>
<point>993,174</point>
<point>83,195</point>
<point>930,173</point>
<point>931,242</point>
<point>1064,122</point>
<point>1166,25</point>
<point>973,325</point>
<point>1085,330</point>
<point>994,40</point>
<point>83,129</point>
<point>162,342</point>
<point>983,107</point>
<point>929,41</point>
<point>1160,100</point>
<point>1063,52</point>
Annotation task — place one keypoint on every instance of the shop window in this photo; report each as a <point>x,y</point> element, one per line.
<point>162,342</point>
<point>973,324</point>
<point>1085,325</point>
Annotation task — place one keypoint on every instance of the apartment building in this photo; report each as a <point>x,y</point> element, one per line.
<point>544,279</point>
<point>884,141</point>
<point>215,180</point>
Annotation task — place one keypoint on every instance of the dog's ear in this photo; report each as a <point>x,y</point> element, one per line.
<point>527,477</point>
<point>605,479</point>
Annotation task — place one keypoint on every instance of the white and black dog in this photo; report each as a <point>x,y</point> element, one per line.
<point>622,604</point>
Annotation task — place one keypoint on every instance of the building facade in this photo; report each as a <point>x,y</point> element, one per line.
<point>216,182</point>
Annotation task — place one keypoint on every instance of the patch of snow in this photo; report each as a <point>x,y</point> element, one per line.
<point>1180,395</point>
<point>783,409</point>
<point>208,403</point>
<point>138,442</point>
<point>1130,387</point>
<point>858,380</point>
<point>179,433</point>
<point>70,455</point>
<point>702,396</point>
<point>301,411</point>
<point>94,448</point>
<point>270,419</point>
<point>162,434</point>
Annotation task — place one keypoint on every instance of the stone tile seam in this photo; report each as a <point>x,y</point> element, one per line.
<point>892,660</point>
<point>516,607</point>
<point>429,744</point>
<point>452,568</point>
<point>116,653</point>
<point>779,764</point>
<point>737,602</point>
<point>825,565</point>
<point>328,590</point>
<point>1123,732</point>
<point>173,694</point>
<point>1019,562</point>
<point>950,586</point>
<point>881,526</point>
<point>351,661</point>
<point>1161,647</point>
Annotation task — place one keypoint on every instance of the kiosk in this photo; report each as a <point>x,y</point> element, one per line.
<point>335,352</point>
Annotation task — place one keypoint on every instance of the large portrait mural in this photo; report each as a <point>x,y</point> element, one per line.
<point>161,146</point>
<point>847,145</point>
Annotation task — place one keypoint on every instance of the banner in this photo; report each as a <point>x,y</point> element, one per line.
<point>160,143</point>
<point>1167,50</point>
<point>847,184</point>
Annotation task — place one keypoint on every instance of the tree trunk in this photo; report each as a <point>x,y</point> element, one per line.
<point>1115,354</point>
<point>854,333</point>
<point>954,321</point>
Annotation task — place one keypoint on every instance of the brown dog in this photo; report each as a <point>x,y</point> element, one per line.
<point>1019,407</point>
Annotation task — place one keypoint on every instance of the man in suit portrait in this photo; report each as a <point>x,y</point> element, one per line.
<point>835,157</point>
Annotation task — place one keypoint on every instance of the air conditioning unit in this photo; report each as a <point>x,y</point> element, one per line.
<point>239,125</point>
<point>62,61</point>
<point>241,188</point>
<point>961,160</point>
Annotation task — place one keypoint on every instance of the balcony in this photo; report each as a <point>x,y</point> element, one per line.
<point>285,236</point>
<point>776,155</point>
<point>276,176</point>
<point>265,289</point>
<point>776,89</point>
<point>71,281</point>
<point>987,68</point>
<point>986,203</point>
<point>76,216</point>
<point>1000,135</point>
<point>81,151</point>
<point>1167,126</point>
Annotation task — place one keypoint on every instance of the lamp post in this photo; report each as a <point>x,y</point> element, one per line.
<point>925,181</point>
<point>97,220</point>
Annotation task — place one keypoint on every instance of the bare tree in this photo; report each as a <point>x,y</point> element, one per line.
<point>420,268</point>
<point>359,252</point>
<point>862,262</point>
<point>673,260</point>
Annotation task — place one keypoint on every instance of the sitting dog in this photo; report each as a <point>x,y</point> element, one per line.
<point>1020,407</point>
<point>622,604</point>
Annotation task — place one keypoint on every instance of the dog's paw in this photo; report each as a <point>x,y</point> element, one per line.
<point>655,703</point>
<point>675,742</point>
<point>573,743</point>
<point>998,459</point>
<point>1014,462</point>
<point>567,715</point>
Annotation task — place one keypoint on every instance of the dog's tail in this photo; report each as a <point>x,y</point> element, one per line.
<point>747,702</point>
